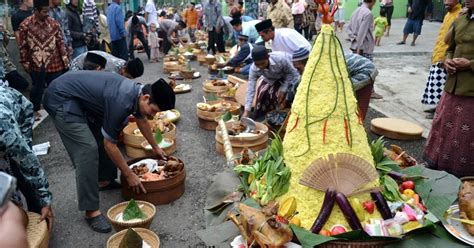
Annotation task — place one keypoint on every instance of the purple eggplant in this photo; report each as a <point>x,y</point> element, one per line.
<point>326,209</point>
<point>382,205</point>
<point>348,211</point>
<point>400,177</point>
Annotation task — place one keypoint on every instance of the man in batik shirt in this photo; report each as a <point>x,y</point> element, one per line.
<point>16,153</point>
<point>42,51</point>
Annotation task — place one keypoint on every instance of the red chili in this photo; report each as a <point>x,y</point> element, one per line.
<point>346,127</point>
<point>359,116</point>
<point>296,124</point>
<point>286,119</point>
<point>324,130</point>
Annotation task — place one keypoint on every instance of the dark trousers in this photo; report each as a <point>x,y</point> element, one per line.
<point>107,168</point>
<point>165,43</point>
<point>40,81</point>
<point>216,39</point>
<point>16,81</point>
<point>25,188</point>
<point>141,38</point>
<point>119,49</point>
<point>307,33</point>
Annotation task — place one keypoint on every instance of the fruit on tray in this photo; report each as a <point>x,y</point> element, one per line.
<point>334,127</point>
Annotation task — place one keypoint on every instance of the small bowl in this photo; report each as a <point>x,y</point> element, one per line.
<point>148,208</point>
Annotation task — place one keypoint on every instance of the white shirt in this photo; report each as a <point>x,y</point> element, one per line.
<point>152,13</point>
<point>289,41</point>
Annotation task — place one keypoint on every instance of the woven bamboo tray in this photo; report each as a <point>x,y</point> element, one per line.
<point>358,244</point>
<point>37,232</point>
<point>135,152</point>
<point>148,209</point>
<point>396,129</point>
<point>158,192</point>
<point>136,140</point>
<point>148,236</point>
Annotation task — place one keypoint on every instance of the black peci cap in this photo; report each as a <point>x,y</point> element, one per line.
<point>263,25</point>
<point>163,95</point>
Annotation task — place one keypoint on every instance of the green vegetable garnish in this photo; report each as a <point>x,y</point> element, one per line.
<point>132,211</point>
<point>158,136</point>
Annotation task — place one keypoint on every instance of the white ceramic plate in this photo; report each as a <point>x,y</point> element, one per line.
<point>151,164</point>
<point>456,228</point>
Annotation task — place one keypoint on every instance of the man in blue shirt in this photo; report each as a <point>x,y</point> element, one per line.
<point>248,29</point>
<point>89,110</point>
<point>243,58</point>
<point>115,20</point>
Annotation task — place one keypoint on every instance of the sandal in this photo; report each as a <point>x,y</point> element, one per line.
<point>111,186</point>
<point>401,43</point>
<point>99,224</point>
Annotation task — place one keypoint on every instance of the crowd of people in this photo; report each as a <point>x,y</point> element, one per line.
<point>67,52</point>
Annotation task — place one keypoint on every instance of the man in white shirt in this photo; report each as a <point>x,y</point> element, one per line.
<point>151,14</point>
<point>283,39</point>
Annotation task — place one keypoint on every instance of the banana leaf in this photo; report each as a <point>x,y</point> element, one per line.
<point>438,192</point>
<point>309,239</point>
<point>133,211</point>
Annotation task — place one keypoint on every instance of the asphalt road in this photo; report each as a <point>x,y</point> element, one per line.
<point>175,223</point>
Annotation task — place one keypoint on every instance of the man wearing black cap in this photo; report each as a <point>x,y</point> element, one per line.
<point>86,105</point>
<point>243,59</point>
<point>130,69</point>
<point>278,75</point>
<point>285,40</point>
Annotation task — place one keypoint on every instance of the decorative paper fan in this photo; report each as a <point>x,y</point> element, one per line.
<point>345,172</point>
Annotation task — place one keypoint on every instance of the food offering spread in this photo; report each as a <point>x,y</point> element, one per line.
<point>208,112</point>
<point>243,135</point>
<point>163,179</point>
<point>325,184</point>
<point>218,86</point>
<point>155,170</point>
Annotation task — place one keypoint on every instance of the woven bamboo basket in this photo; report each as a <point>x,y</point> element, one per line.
<point>148,236</point>
<point>208,87</point>
<point>210,61</point>
<point>207,119</point>
<point>169,58</point>
<point>158,192</point>
<point>201,58</point>
<point>358,244</point>
<point>225,97</point>
<point>37,232</point>
<point>171,66</point>
<point>134,152</point>
<point>187,74</point>
<point>136,141</point>
<point>148,209</point>
<point>254,143</point>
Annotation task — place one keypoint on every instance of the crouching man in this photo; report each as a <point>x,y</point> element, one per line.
<point>278,75</point>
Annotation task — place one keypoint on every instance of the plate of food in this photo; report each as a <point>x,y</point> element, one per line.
<point>176,75</point>
<point>459,230</point>
<point>171,115</point>
<point>182,88</point>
